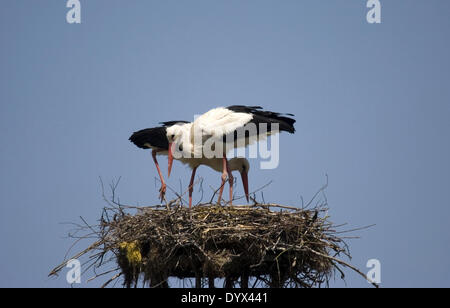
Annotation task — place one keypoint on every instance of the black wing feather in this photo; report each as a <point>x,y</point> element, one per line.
<point>170,123</point>
<point>261,116</point>
<point>155,137</point>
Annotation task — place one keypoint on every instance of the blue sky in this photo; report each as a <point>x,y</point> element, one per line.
<point>372,104</point>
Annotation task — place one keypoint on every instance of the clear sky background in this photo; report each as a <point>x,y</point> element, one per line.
<point>372,104</point>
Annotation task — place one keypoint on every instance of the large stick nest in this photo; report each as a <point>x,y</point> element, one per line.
<point>232,242</point>
<point>267,244</point>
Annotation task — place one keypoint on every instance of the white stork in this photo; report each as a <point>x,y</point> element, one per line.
<point>156,139</point>
<point>221,125</point>
<point>240,164</point>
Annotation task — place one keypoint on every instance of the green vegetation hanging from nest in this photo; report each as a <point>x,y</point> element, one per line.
<point>268,245</point>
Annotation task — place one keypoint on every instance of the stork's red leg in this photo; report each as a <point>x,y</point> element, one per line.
<point>230,181</point>
<point>224,178</point>
<point>191,186</point>
<point>162,190</point>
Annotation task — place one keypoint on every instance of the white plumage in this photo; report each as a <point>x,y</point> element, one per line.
<point>218,126</point>
<point>221,121</point>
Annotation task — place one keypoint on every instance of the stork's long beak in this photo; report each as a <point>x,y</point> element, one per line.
<point>170,159</point>
<point>244,176</point>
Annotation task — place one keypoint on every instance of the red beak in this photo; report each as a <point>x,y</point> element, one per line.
<point>244,176</point>
<point>170,159</point>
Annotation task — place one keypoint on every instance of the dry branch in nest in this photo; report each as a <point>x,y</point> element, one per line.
<point>268,245</point>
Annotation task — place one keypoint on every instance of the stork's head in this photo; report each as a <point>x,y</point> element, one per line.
<point>243,166</point>
<point>174,132</point>
<point>174,135</point>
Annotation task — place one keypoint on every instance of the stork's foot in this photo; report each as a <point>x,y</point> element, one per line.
<point>162,192</point>
<point>223,202</point>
